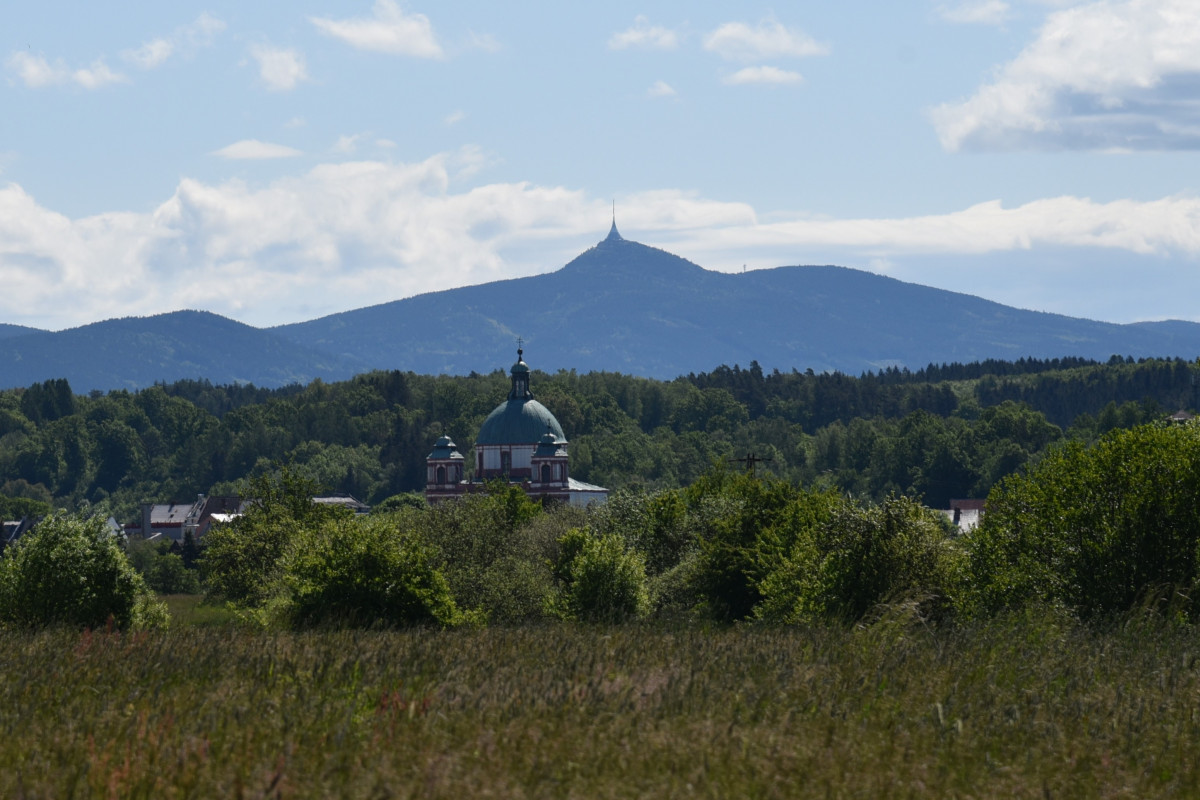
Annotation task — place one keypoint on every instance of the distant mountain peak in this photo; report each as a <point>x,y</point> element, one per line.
<point>615,256</point>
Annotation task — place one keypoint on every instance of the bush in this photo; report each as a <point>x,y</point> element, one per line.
<point>363,573</point>
<point>746,527</point>
<point>602,581</point>
<point>164,571</point>
<point>1098,529</point>
<point>72,571</point>
<point>243,560</point>
<point>862,556</point>
<point>495,551</point>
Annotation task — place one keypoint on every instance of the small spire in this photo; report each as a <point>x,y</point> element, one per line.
<point>613,234</point>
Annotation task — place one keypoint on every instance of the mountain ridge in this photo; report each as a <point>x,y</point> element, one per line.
<point>627,306</point>
<point>617,306</point>
<point>135,352</point>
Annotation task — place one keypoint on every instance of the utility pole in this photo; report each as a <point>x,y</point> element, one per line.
<point>750,461</point>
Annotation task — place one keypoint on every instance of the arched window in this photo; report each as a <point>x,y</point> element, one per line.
<point>545,473</point>
<point>441,475</point>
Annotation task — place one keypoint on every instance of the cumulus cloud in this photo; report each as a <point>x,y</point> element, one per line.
<point>151,54</point>
<point>254,149</point>
<point>661,89</point>
<point>1104,75</point>
<point>36,72</point>
<point>97,75</point>
<point>348,143</point>
<point>1170,226</point>
<point>737,41</point>
<point>770,75</point>
<point>644,35</point>
<point>279,68</point>
<point>340,236</point>
<point>979,12</point>
<point>311,244</point>
<point>185,40</point>
<point>388,30</point>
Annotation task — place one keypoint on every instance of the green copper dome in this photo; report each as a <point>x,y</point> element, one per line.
<point>518,422</point>
<point>520,419</point>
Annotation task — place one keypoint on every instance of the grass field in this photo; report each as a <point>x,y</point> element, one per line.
<point>1036,708</point>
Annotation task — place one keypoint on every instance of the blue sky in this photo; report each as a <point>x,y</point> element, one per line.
<point>275,162</point>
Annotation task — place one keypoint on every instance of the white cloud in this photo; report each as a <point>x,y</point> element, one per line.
<point>644,35</point>
<point>455,117</point>
<point>737,41</point>
<point>1104,75</point>
<point>389,30</point>
<point>348,143</point>
<point>279,68</point>
<point>483,41</point>
<point>97,75</point>
<point>201,32</point>
<point>254,149</point>
<point>338,237</point>
<point>981,12</point>
<point>1161,227</point>
<point>661,89</point>
<point>36,72</point>
<point>151,54</point>
<point>185,39</point>
<point>306,245</point>
<point>763,75</point>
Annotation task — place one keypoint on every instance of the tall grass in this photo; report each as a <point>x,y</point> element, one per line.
<point>1034,706</point>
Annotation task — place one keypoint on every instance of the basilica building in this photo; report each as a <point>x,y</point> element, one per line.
<point>521,442</point>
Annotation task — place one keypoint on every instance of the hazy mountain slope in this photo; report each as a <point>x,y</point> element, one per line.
<point>135,352</point>
<point>628,307</point>
<point>7,330</point>
<point>619,306</point>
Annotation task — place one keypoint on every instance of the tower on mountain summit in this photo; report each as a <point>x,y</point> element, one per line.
<point>613,235</point>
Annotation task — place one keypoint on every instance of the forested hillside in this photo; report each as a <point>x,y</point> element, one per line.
<point>944,432</point>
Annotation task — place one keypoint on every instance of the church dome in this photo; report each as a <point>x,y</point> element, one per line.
<point>520,419</point>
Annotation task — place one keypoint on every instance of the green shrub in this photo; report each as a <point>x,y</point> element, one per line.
<point>363,573</point>
<point>862,556</point>
<point>164,571</point>
<point>72,571</point>
<point>495,551</point>
<point>747,528</point>
<point>1097,529</point>
<point>653,524</point>
<point>602,581</point>
<point>243,560</point>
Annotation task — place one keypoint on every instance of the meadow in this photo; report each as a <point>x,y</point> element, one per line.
<point>1030,705</point>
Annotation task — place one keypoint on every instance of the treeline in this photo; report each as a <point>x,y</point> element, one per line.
<point>1097,531</point>
<point>943,432</point>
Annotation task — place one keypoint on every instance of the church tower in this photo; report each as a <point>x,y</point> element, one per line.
<point>520,442</point>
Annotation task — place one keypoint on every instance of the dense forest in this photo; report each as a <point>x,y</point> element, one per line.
<point>947,431</point>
